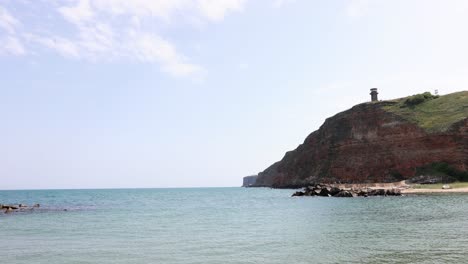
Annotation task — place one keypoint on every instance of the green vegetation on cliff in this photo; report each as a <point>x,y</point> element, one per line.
<point>444,170</point>
<point>432,113</point>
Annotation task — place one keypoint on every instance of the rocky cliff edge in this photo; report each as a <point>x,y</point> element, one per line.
<point>384,141</point>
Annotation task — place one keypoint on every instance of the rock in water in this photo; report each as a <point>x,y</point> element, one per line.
<point>334,191</point>
<point>327,191</point>
<point>344,193</point>
<point>298,193</point>
<point>324,192</point>
<point>377,192</point>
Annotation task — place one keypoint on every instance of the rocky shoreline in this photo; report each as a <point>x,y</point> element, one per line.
<point>17,208</point>
<point>333,191</point>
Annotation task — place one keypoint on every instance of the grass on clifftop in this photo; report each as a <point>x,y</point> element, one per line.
<point>432,114</point>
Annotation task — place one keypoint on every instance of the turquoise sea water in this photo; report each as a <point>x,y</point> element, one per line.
<point>231,225</point>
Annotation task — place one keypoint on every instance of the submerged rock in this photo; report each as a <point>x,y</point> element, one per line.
<point>17,208</point>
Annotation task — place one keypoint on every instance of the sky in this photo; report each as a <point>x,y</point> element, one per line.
<point>199,93</point>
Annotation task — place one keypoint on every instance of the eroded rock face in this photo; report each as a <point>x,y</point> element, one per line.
<point>249,180</point>
<point>366,144</point>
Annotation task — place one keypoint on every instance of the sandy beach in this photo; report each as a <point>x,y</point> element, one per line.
<point>416,191</point>
<point>404,187</point>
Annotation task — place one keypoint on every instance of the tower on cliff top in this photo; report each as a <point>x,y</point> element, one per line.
<point>374,93</point>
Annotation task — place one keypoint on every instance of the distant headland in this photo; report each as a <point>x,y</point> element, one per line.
<point>249,181</point>
<point>423,136</point>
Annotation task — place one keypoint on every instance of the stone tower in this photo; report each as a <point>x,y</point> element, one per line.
<point>374,93</point>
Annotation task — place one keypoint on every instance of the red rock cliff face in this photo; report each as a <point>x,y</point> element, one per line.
<point>367,144</point>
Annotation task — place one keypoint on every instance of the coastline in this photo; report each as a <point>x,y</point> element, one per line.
<point>423,191</point>
<point>404,188</point>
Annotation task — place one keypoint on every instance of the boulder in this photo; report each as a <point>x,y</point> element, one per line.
<point>392,192</point>
<point>298,193</point>
<point>327,191</point>
<point>317,191</point>
<point>377,192</point>
<point>343,193</point>
<point>363,193</point>
<point>334,190</point>
<point>324,192</point>
<point>309,191</point>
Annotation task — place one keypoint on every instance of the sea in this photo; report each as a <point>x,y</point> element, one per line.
<point>231,225</point>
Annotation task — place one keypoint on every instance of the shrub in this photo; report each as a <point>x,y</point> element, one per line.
<point>419,98</point>
<point>427,95</point>
<point>415,100</point>
<point>443,169</point>
<point>396,175</point>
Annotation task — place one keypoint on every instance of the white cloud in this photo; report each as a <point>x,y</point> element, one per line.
<point>7,21</point>
<point>151,48</point>
<point>115,29</point>
<point>78,13</point>
<point>110,30</point>
<point>11,45</point>
<point>100,42</point>
<point>61,45</point>
<point>97,40</point>
<point>216,9</point>
<point>142,8</point>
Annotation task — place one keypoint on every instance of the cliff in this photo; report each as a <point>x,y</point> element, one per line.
<point>249,181</point>
<point>384,141</point>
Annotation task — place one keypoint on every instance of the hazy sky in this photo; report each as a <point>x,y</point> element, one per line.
<point>176,93</point>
